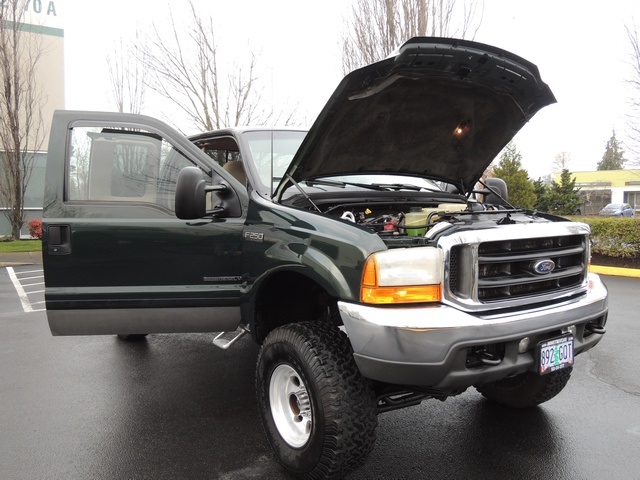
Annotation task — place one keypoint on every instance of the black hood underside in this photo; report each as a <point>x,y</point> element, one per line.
<point>440,108</point>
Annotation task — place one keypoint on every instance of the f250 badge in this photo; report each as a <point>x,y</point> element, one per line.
<point>254,236</point>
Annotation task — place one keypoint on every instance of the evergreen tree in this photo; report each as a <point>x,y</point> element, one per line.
<point>562,198</point>
<point>509,169</point>
<point>541,190</point>
<point>613,158</point>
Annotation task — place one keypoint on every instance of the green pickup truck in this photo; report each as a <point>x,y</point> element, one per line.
<point>366,256</point>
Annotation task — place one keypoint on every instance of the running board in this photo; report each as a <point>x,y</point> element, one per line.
<point>225,339</point>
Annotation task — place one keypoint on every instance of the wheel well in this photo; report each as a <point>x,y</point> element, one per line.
<point>289,297</point>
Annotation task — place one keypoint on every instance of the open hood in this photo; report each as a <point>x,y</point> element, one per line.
<point>438,107</point>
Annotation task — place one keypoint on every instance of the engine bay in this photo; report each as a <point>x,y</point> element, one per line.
<point>398,220</point>
<point>414,218</point>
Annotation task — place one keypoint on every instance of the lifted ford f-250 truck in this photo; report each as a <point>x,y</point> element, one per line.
<point>358,255</point>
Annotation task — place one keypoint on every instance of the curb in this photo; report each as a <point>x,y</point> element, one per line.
<point>20,258</point>
<point>615,271</point>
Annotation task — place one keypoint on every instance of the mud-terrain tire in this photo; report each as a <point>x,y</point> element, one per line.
<point>527,389</point>
<point>319,414</point>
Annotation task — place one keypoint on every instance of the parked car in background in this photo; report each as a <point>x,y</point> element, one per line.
<point>617,210</point>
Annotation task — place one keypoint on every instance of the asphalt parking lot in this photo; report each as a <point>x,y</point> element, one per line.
<point>174,406</point>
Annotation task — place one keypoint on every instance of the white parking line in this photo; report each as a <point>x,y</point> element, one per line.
<point>30,278</point>
<point>30,271</point>
<point>26,305</point>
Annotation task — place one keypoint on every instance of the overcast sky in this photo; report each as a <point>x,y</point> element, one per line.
<point>582,52</point>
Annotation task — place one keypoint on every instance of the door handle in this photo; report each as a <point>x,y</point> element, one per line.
<point>59,239</point>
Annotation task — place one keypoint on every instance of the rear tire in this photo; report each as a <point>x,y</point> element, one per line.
<point>132,337</point>
<point>527,389</point>
<point>319,414</point>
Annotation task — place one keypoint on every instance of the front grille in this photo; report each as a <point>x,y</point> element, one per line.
<point>506,269</point>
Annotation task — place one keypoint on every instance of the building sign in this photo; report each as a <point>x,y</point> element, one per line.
<point>40,16</point>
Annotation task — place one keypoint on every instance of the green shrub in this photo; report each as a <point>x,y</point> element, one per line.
<point>614,237</point>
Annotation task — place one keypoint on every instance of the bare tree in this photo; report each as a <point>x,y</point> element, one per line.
<point>561,162</point>
<point>128,76</point>
<point>21,103</point>
<point>376,27</point>
<point>182,66</point>
<point>633,126</point>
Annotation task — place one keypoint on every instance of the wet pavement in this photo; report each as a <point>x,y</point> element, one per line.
<point>174,406</point>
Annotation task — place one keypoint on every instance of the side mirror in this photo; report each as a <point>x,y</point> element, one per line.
<point>191,194</point>
<point>500,187</point>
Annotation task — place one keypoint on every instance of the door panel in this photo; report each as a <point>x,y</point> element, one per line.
<point>117,260</point>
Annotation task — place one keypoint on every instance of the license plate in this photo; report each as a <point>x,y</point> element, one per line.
<point>555,354</point>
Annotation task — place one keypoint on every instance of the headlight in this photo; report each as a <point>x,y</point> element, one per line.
<point>406,275</point>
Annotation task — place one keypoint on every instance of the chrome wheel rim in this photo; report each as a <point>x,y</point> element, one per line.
<point>290,406</point>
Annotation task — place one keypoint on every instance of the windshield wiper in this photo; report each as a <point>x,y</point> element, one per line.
<point>404,186</point>
<point>337,183</point>
<point>382,187</point>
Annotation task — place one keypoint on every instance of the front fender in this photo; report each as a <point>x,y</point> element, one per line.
<point>326,249</point>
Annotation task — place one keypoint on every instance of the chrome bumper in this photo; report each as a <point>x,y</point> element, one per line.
<point>428,345</point>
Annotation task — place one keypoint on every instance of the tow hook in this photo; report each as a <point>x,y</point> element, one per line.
<point>487,358</point>
<point>593,328</point>
<point>479,356</point>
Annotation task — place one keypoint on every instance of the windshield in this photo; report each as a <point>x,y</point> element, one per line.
<point>271,153</point>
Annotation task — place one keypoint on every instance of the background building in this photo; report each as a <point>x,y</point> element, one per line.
<point>607,186</point>
<point>43,19</point>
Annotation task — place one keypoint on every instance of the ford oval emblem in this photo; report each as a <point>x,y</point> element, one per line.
<point>543,267</point>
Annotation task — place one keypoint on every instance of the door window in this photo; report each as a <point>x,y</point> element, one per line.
<point>123,165</point>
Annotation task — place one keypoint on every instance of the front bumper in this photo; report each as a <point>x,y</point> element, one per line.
<point>429,345</point>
